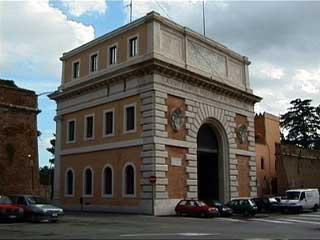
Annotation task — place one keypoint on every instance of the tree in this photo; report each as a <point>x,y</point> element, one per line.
<point>51,161</point>
<point>302,121</point>
<point>52,148</point>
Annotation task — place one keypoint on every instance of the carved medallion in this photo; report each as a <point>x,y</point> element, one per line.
<point>242,133</point>
<point>177,119</point>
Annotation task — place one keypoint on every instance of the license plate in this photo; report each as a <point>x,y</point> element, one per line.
<point>12,216</point>
<point>54,214</point>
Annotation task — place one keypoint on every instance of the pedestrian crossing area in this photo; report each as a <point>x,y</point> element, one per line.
<point>288,219</point>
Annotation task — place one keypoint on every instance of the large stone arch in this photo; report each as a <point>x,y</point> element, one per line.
<point>217,119</point>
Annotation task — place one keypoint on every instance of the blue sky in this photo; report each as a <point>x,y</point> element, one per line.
<point>280,38</point>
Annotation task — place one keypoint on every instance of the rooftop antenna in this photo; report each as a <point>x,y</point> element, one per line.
<point>203,19</point>
<point>130,5</point>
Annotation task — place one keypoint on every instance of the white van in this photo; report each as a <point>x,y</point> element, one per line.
<point>301,199</point>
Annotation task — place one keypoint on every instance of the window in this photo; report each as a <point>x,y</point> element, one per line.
<point>133,46</point>
<point>76,69</point>
<point>130,118</point>
<point>94,62</point>
<point>89,127</point>
<point>88,182</point>
<point>113,55</point>
<point>108,128</point>
<point>71,131</point>
<point>107,181</point>
<point>129,180</point>
<point>69,184</point>
<point>262,163</point>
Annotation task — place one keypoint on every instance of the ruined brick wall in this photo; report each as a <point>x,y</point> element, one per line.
<point>297,168</point>
<point>18,141</point>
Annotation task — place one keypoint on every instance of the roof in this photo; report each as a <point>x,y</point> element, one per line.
<point>8,83</point>
<point>154,16</point>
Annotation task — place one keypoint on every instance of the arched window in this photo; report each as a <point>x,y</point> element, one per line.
<point>88,182</point>
<point>107,181</point>
<point>69,182</point>
<point>129,180</point>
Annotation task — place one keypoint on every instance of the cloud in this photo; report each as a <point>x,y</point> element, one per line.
<point>281,40</point>
<point>81,7</point>
<point>33,35</point>
<point>308,81</point>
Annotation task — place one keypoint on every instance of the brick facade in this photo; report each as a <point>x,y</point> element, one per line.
<point>297,168</point>
<point>18,137</point>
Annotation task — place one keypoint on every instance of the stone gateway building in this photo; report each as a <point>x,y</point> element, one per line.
<point>153,98</point>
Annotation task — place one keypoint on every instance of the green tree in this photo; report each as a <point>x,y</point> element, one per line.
<point>302,123</point>
<point>51,161</point>
<point>52,148</point>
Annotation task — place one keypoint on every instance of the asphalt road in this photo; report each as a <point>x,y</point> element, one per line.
<point>116,226</point>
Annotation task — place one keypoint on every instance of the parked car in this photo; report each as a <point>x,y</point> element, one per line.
<point>298,200</point>
<point>37,209</point>
<point>195,208</point>
<point>244,206</point>
<point>224,210</point>
<point>267,204</point>
<point>8,210</point>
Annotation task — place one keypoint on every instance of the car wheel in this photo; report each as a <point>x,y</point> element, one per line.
<point>246,213</point>
<point>203,215</point>
<point>179,214</point>
<point>315,208</point>
<point>34,218</point>
<point>54,221</point>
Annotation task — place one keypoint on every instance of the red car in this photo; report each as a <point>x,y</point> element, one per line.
<point>195,208</point>
<point>9,211</point>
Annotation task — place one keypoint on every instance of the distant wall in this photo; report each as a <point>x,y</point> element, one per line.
<point>297,167</point>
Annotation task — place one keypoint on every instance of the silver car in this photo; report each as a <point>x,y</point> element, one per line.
<point>37,209</point>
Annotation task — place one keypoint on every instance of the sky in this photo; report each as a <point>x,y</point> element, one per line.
<point>281,39</point>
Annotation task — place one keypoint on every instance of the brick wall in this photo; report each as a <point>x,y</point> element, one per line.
<point>18,136</point>
<point>297,168</point>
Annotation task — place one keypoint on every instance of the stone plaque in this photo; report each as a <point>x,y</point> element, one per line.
<point>176,161</point>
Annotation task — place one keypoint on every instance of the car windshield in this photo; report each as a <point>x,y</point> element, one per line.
<point>252,203</point>
<point>200,203</point>
<point>36,200</point>
<point>293,195</point>
<point>5,200</point>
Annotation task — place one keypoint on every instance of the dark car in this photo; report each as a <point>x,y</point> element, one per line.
<point>37,209</point>
<point>224,210</point>
<point>195,208</point>
<point>243,206</point>
<point>267,204</point>
<point>8,210</point>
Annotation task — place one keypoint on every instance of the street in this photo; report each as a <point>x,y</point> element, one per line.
<point>118,226</point>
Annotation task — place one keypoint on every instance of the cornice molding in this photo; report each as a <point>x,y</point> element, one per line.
<point>155,66</point>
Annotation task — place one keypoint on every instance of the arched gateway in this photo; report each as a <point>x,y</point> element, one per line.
<point>212,161</point>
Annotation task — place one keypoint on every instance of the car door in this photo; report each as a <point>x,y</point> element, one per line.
<point>21,202</point>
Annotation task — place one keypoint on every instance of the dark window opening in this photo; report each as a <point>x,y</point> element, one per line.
<point>130,117</point>
<point>133,47</point>
<point>70,182</point>
<point>108,181</point>
<point>262,163</point>
<point>94,62</point>
<point>89,127</point>
<point>71,131</point>
<point>76,70</point>
<point>129,178</point>
<point>113,55</point>
<point>108,123</point>
<point>88,182</point>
